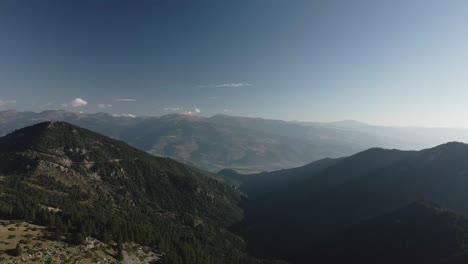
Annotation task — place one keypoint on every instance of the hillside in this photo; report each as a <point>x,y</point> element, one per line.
<point>355,189</point>
<point>104,188</point>
<point>264,183</point>
<point>35,246</point>
<point>421,232</point>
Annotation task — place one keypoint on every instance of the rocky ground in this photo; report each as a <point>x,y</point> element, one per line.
<point>36,247</point>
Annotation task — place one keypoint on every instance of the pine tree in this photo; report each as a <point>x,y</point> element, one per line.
<point>119,249</point>
<point>18,250</point>
<point>78,238</point>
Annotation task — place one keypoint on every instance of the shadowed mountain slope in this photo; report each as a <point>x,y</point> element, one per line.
<point>421,232</point>
<point>355,189</point>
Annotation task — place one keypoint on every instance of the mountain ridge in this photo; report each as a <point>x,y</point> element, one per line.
<point>248,144</point>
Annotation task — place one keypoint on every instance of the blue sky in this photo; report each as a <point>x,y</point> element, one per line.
<point>383,62</point>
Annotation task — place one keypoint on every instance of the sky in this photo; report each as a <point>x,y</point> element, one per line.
<point>387,62</point>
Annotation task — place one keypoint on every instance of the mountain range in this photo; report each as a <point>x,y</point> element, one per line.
<point>245,144</point>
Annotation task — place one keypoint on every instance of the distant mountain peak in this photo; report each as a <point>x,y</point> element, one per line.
<point>8,113</point>
<point>179,117</point>
<point>350,122</point>
<point>452,144</point>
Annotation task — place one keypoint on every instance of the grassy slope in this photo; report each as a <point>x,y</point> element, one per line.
<point>37,247</point>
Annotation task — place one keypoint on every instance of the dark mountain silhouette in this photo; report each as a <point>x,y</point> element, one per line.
<point>355,189</point>
<point>421,232</point>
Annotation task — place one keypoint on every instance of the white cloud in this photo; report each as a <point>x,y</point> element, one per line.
<point>104,106</point>
<point>124,100</point>
<point>172,109</point>
<point>7,102</point>
<point>124,115</point>
<point>193,112</point>
<point>232,85</point>
<point>77,102</point>
<point>227,110</point>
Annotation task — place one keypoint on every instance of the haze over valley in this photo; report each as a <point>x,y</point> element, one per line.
<point>242,143</point>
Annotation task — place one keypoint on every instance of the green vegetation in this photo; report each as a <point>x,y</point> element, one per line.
<point>81,184</point>
<point>119,249</point>
<point>180,242</point>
